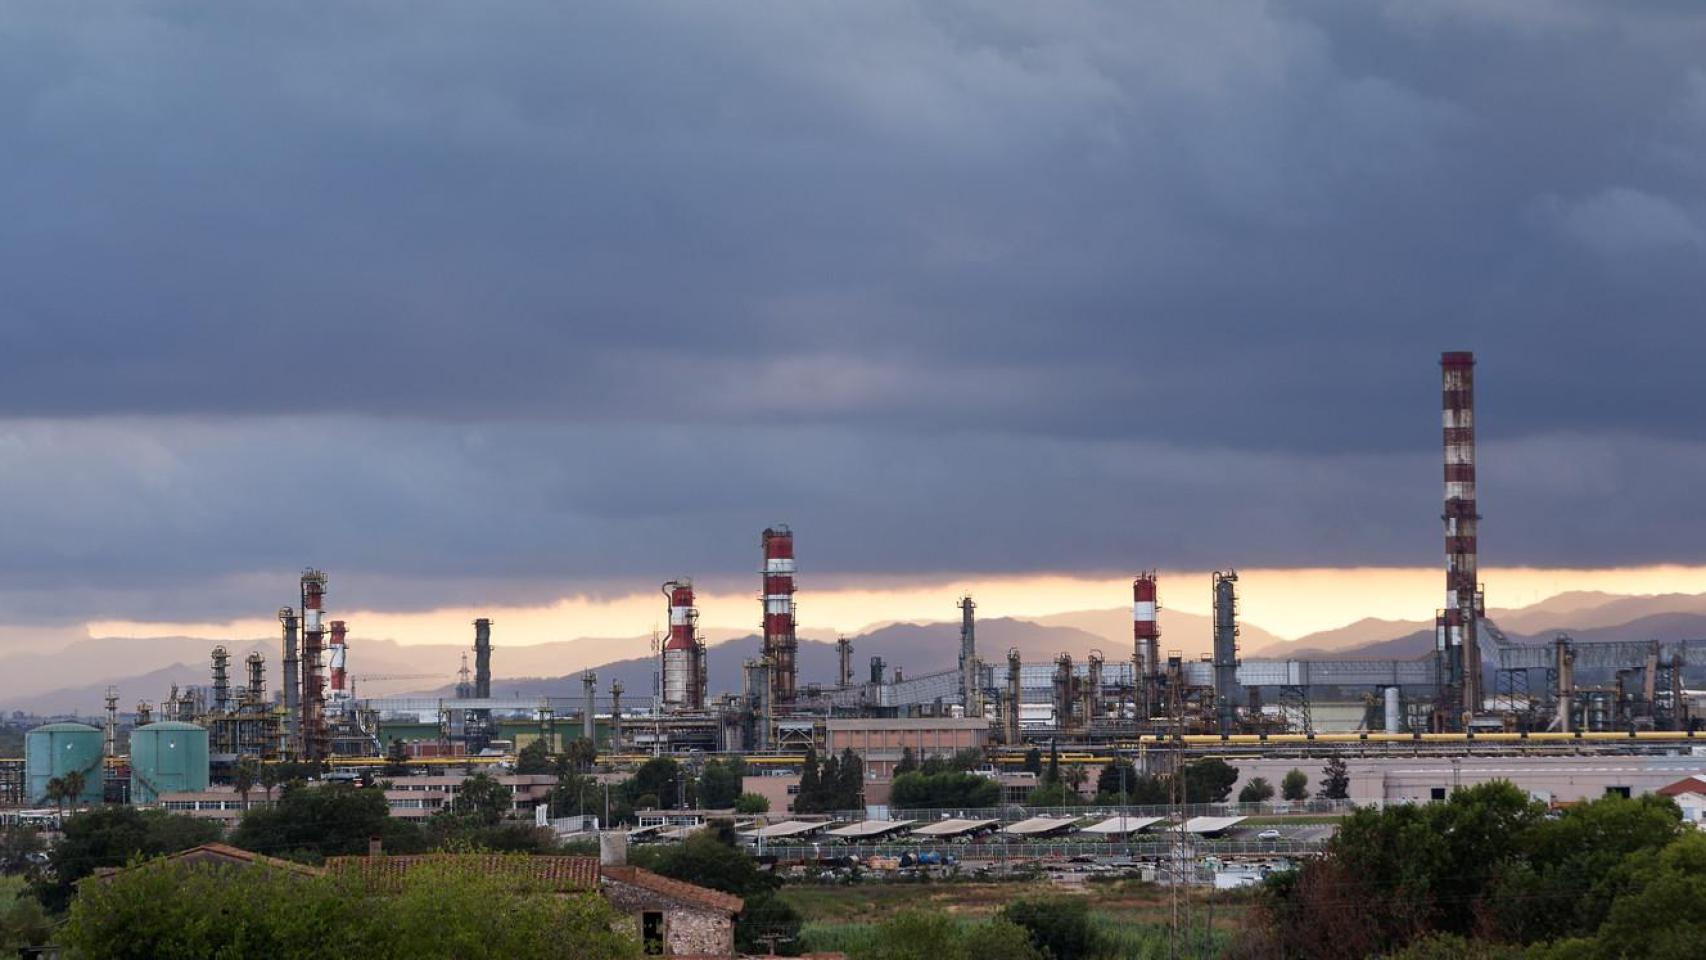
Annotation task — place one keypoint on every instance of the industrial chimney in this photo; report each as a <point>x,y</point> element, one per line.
<point>684,651</point>
<point>1457,640</point>
<point>779,642</point>
<point>1146,633</point>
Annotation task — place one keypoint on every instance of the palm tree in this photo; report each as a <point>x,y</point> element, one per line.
<point>268,779</point>
<point>55,791</point>
<point>244,780</point>
<point>73,786</point>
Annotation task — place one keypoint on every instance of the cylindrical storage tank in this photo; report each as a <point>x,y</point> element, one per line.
<point>54,750</point>
<point>167,757</point>
<point>1394,710</point>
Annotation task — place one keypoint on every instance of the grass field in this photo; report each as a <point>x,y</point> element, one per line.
<point>1134,916</point>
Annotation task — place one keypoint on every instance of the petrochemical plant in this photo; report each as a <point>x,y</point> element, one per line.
<point>1628,695</point>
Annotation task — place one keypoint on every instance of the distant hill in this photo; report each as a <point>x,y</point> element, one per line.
<point>1189,633</point>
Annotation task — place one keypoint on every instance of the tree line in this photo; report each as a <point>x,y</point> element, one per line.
<point>1490,874</point>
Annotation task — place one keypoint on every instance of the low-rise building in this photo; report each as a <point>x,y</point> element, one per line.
<point>1690,797</point>
<point>880,741</point>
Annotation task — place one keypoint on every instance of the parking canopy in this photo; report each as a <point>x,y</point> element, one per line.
<point>867,829</point>
<point>787,828</point>
<point>953,828</point>
<point>1122,826</point>
<point>1212,825</point>
<point>1041,826</point>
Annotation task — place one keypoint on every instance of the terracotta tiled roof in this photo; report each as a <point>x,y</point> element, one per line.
<point>221,853</point>
<point>676,889</point>
<point>1694,784</point>
<point>561,874</point>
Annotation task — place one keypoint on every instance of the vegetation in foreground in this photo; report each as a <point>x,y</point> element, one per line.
<point>172,911</point>
<point>1489,874</point>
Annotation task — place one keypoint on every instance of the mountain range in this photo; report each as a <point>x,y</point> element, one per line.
<point>75,679</point>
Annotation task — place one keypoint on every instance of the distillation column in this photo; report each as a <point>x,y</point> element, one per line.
<point>313,684</point>
<point>339,683</point>
<point>1457,640</point>
<point>779,642</point>
<point>482,658</point>
<point>589,722</point>
<point>844,657</point>
<point>292,746</point>
<point>684,651</point>
<point>971,694</point>
<point>1146,655</point>
<point>1226,650</point>
<point>1015,695</point>
<point>1564,666</point>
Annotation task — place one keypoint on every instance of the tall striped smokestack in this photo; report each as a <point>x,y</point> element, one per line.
<point>682,651</point>
<point>779,642</point>
<point>1457,639</point>
<point>1146,632</point>
<point>339,650</point>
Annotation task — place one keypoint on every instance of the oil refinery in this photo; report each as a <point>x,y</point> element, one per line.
<point>1622,696</point>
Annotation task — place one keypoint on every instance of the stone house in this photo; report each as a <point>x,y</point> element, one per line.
<point>671,918</point>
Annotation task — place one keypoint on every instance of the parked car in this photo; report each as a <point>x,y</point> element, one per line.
<point>1268,835</point>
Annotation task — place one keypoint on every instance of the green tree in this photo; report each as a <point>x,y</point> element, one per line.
<point>110,837</point>
<point>1033,761</point>
<point>1661,915</point>
<point>20,845</point>
<point>752,803</point>
<point>1572,868</point>
<point>659,778</point>
<point>720,783</point>
<point>74,785</point>
<point>1209,780</point>
<point>950,790</point>
<point>810,783</point>
<point>1114,781</point>
<point>1295,785</point>
<point>1335,780</point>
<point>1408,870</point>
<point>1000,940</point>
<point>482,799</point>
<point>310,823</point>
<point>1060,927</point>
<point>1052,774</point>
<point>850,782</point>
<point>243,778</point>
<point>1257,790</point>
<point>534,758</point>
<point>908,762</point>
<point>914,935</point>
<point>446,910</point>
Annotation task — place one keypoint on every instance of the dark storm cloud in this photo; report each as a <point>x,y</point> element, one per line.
<point>532,291</point>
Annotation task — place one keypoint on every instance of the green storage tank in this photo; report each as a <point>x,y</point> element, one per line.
<point>167,757</point>
<point>57,749</point>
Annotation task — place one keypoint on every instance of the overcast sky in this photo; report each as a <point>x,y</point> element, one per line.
<point>490,303</point>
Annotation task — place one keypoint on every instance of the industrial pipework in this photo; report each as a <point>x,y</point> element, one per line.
<point>1457,640</point>
<point>780,645</point>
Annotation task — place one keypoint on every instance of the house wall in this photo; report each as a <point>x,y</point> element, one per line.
<point>687,930</point>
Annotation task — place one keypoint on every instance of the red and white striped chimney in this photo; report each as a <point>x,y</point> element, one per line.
<point>339,650</point>
<point>779,642</point>
<point>1457,633</point>
<point>1145,627</point>
<point>681,686</point>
